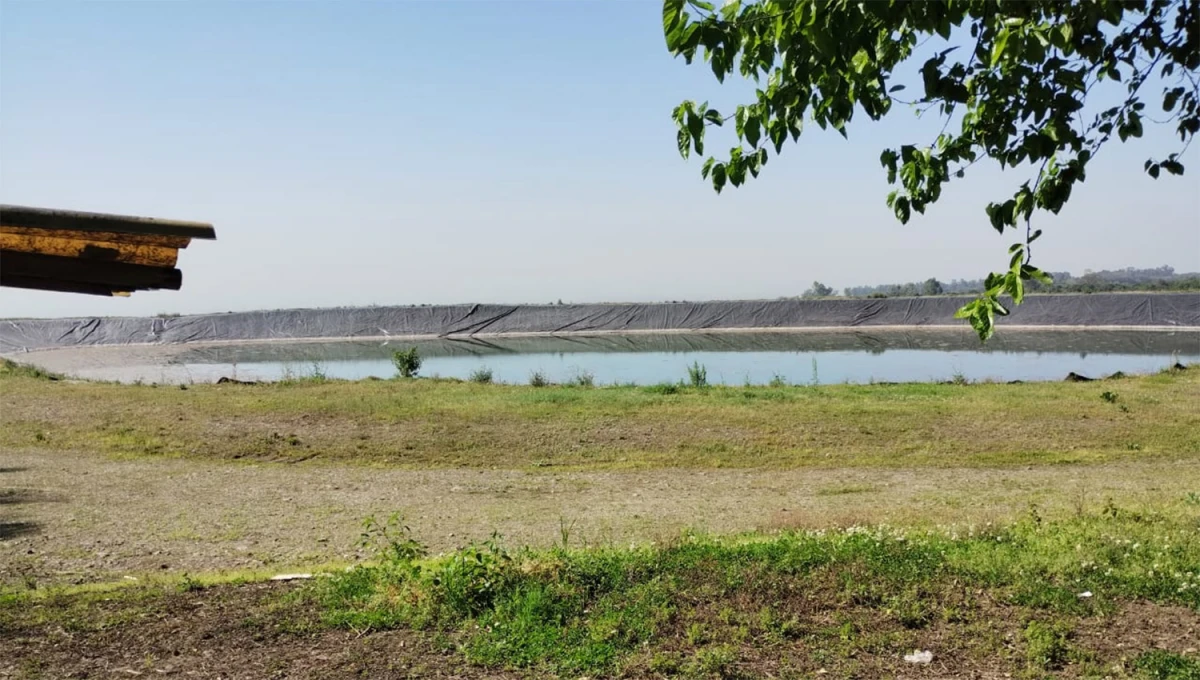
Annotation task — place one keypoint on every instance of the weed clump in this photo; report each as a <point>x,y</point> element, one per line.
<point>407,362</point>
<point>583,379</point>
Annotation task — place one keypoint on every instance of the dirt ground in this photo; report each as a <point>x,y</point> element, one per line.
<point>69,518</point>
<point>253,631</point>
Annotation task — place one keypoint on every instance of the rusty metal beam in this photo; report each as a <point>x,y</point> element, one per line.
<point>89,249</point>
<point>44,218</point>
<point>93,253</point>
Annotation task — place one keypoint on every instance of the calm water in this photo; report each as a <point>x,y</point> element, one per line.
<point>732,359</point>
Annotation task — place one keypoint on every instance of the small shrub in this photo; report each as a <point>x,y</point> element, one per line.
<point>482,375</point>
<point>466,584</point>
<point>698,374</point>
<point>407,362</point>
<point>583,379</point>
<point>391,540</point>
<point>318,372</point>
<point>1046,645</point>
<point>778,380</point>
<point>664,663</point>
<point>959,378</point>
<point>713,662</point>
<point>662,388</point>
<point>1110,397</point>
<point>538,379</point>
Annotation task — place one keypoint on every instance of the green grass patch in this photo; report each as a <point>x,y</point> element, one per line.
<point>695,602</point>
<point>11,369</point>
<point>1163,665</point>
<point>436,424</point>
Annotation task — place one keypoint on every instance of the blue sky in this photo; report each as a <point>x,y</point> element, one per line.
<point>408,152</point>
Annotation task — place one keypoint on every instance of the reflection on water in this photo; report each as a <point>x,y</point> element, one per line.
<point>730,358</point>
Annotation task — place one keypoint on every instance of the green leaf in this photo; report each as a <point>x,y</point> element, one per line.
<point>714,117</point>
<point>1066,32</point>
<point>1171,97</point>
<point>777,130</point>
<point>685,143</point>
<point>753,131</point>
<point>896,88</point>
<point>999,45</point>
<point>1031,272</point>
<point>707,167</point>
<point>702,4</point>
<point>1135,125</point>
<point>1016,288</point>
<point>718,176</point>
<point>695,127</point>
<point>672,18</point>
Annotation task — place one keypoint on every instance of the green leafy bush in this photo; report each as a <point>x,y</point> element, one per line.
<point>407,362</point>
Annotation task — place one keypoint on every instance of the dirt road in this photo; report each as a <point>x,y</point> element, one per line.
<point>78,517</point>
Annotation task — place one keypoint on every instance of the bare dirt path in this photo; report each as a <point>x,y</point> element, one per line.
<point>77,517</point>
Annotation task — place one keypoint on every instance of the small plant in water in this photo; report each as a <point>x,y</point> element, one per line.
<point>816,380</point>
<point>482,375</point>
<point>698,374</point>
<point>583,379</point>
<point>318,372</point>
<point>407,362</point>
<point>959,379</point>
<point>778,380</point>
<point>538,379</point>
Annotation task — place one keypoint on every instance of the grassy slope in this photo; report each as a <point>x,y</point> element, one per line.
<point>849,602</point>
<point>706,607</point>
<point>424,423</point>
<point>837,604</point>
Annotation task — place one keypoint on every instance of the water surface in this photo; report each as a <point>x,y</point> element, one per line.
<point>729,358</point>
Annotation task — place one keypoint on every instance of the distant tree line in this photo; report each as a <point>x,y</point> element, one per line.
<point>1129,279</point>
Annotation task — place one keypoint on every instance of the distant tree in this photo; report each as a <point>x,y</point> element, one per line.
<point>931,287</point>
<point>818,290</point>
<point>1040,86</point>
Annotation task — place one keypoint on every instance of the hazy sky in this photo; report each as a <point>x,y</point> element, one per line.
<point>394,153</point>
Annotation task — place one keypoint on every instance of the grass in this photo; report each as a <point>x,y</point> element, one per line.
<point>437,424</point>
<point>481,375</point>
<point>10,369</point>
<point>703,605</point>
<point>835,603</point>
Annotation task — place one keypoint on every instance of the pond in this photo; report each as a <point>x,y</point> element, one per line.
<point>807,357</point>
